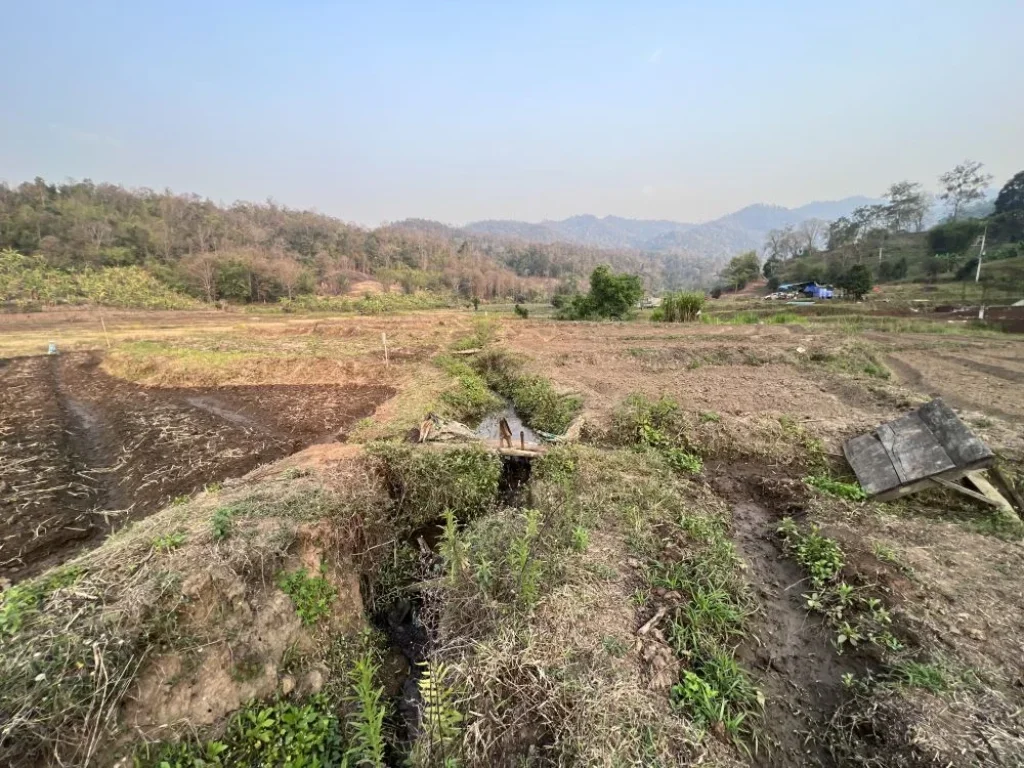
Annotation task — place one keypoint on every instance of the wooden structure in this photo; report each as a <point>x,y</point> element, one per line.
<point>926,448</point>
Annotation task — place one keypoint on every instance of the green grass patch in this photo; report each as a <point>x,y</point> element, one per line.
<point>469,398</point>
<point>715,691</point>
<point>19,602</point>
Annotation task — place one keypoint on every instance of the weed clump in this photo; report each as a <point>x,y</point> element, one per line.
<point>425,483</point>
<point>715,691</point>
<point>312,595</point>
<point>837,488</point>
<point>852,612</point>
<point>468,399</point>
<point>533,396</point>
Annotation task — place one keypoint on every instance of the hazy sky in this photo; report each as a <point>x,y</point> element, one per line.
<point>459,111</point>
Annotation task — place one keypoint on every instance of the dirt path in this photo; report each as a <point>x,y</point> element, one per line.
<point>789,649</point>
<point>81,452</point>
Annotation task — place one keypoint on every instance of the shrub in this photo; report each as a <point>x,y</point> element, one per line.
<point>612,295</point>
<point>680,307</point>
<point>521,311</point>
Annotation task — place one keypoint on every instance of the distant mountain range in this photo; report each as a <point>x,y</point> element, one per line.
<point>742,230</point>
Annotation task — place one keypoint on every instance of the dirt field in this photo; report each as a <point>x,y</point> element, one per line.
<point>137,416</point>
<point>83,452</point>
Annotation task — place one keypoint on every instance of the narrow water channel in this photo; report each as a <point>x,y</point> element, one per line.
<point>488,428</point>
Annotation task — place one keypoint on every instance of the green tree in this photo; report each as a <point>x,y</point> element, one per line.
<point>611,295</point>
<point>857,281</point>
<point>771,267</point>
<point>892,269</point>
<point>614,295</point>
<point>1011,197</point>
<point>741,270</point>
<point>963,185</point>
<point>907,207</point>
<point>954,236</point>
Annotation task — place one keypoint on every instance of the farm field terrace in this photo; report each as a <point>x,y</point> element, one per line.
<point>220,546</point>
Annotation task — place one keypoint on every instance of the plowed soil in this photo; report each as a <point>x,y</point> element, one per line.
<point>81,452</point>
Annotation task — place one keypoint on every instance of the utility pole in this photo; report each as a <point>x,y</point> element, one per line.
<point>981,252</point>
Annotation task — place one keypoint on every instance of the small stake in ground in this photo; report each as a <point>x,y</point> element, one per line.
<point>384,338</point>
<point>504,433</point>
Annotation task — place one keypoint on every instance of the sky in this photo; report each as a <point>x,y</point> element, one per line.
<point>456,111</point>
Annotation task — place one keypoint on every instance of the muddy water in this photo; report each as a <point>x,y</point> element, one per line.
<point>488,428</point>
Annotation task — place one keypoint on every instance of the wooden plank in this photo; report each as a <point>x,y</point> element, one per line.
<point>871,464</point>
<point>1008,486</point>
<point>965,491</point>
<point>913,449</point>
<point>979,481</point>
<point>956,439</point>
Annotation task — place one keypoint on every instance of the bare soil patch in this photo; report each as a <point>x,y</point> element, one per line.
<point>81,451</point>
<point>963,381</point>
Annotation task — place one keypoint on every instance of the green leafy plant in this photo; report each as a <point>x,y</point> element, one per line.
<point>849,491</point>
<point>281,734</point>
<point>526,569</point>
<point>441,718</point>
<point>312,595</point>
<point>820,555</point>
<point>682,461</point>
<point>169,541</point>
<point>451,548</point>
<point>367,722</point>
<point>580,538</point>
<point>222,522</point>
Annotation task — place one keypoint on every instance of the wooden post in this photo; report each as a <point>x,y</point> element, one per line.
<point>522,440</point>
<point>981,254</point>
<point>384,338</point>
<point>104,325</point>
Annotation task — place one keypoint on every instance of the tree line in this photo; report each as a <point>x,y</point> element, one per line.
<point>256,252</point>
<point>891,239</point>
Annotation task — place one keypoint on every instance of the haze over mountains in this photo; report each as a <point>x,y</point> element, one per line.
<point>742,230</point>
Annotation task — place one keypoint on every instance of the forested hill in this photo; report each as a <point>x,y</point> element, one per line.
<point>263,251</point>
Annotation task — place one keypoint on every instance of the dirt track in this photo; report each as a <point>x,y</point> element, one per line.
<point>82,452</point>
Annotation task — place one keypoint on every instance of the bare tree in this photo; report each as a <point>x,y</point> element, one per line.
<point>201,270</point>
<point>963,185</point>
<point>288,272</point>
<point>810,234</point>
